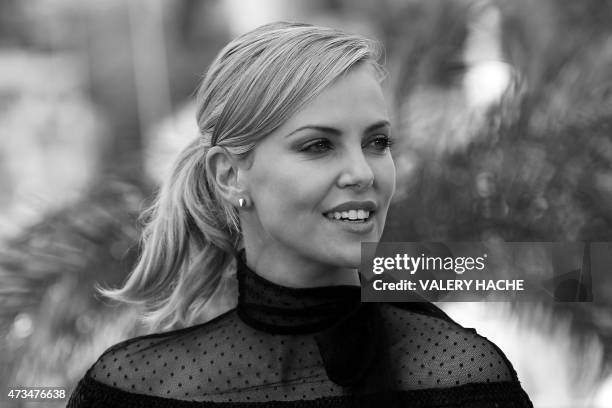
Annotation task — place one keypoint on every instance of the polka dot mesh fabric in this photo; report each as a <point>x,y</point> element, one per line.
<point>278,345</point>
<point>435,353</point>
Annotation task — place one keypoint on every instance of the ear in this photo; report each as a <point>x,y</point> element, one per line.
<point>224,171</point>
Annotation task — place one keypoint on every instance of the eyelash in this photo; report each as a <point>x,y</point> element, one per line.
<point>386,140</point>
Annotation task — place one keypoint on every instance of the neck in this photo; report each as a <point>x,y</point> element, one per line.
<point>292,270</point>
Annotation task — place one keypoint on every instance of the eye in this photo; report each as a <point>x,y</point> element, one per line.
<point>381,142</point>
<point>317,146</point>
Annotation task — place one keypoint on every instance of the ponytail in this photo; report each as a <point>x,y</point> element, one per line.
<point>187,244</point>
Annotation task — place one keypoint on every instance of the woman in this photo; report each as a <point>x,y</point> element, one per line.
<point>291,172</point>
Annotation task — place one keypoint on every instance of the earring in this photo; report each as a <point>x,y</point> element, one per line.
<point>241,202</point>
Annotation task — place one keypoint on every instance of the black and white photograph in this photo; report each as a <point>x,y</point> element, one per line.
<point>306,203</point>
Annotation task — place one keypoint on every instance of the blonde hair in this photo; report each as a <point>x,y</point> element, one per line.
<point>254,85</point>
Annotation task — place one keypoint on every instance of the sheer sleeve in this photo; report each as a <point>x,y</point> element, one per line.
<point>433,352</point>
<point>177,364</point>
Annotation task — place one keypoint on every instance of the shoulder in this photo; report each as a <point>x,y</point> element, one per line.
<point>425,340</point>
<point>132,364</point>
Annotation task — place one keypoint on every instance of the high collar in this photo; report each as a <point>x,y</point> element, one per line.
<point>279,309</point>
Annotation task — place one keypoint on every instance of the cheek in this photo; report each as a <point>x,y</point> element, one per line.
<point>291,191</point>
<point>385,175</point>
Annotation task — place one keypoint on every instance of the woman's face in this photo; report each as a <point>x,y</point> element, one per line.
<point>321,184</point>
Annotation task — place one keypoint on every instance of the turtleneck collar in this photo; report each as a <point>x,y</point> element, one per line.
<point>284,310</point>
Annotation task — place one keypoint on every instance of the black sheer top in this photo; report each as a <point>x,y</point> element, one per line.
<point>313,347</point>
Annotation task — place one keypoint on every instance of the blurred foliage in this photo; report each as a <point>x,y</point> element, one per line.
<point>521,187</point>
<point>537,165</point>
<point>52,320</point>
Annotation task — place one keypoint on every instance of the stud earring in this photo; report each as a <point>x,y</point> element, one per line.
<point>241,202</point>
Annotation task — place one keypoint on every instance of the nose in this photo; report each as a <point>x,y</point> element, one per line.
<point>356,171</point>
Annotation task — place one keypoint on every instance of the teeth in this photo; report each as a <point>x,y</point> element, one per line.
<point>349,215</point>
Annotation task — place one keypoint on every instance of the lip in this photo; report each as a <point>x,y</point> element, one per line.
<point>354,227</point>
<point>354,205</point>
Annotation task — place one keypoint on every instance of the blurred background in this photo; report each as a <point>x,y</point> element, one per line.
<point>502,111</point>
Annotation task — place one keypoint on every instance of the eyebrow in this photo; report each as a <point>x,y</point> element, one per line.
<point>336,132</point>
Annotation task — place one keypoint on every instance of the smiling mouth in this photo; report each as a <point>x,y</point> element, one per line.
<point>353,216</point>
